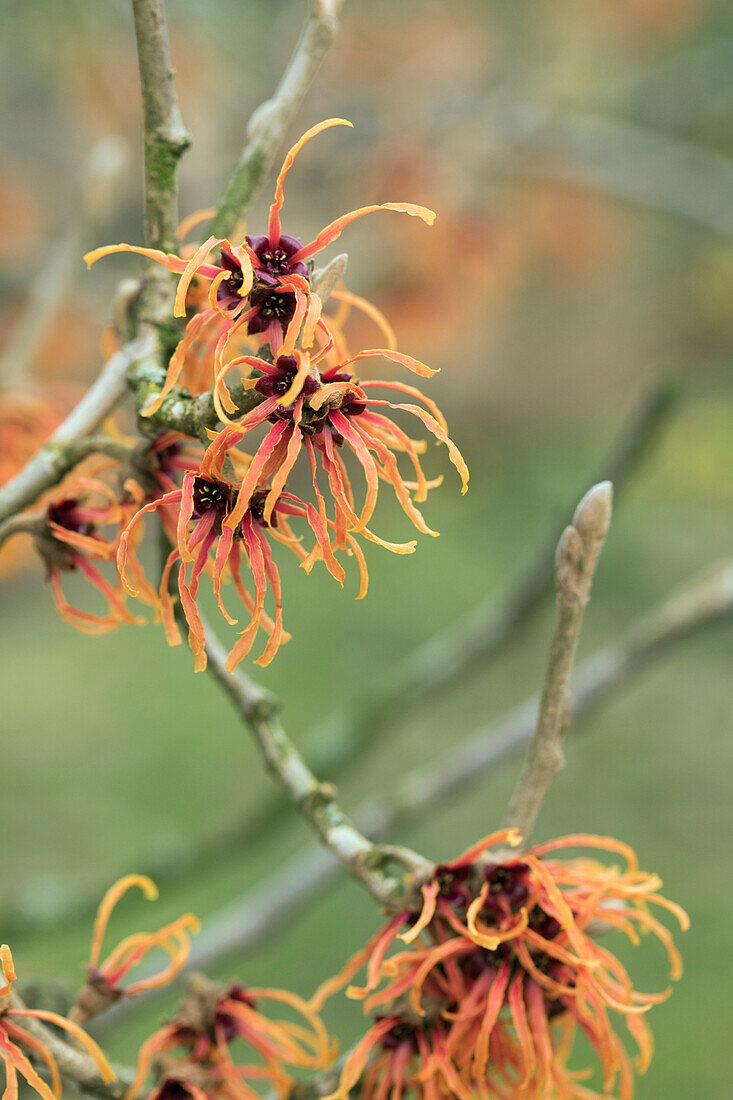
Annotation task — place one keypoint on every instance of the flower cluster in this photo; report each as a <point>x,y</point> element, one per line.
<point>16,1043</point>
<point>501,969</point>
<point>104,981</point>
<point>80,530</point>
<point>300,387</point>
<point>192,1056</point>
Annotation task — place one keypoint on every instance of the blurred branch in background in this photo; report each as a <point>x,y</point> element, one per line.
<point>629,161</point>
<point>704,602</point>
<point>51,281</point>
<point>268,124</point>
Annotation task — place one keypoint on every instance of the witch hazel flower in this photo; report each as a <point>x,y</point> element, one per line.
<point>196,517</point>
<point>503,955</point>
<point>70,539</point>
<point>401,1056</point>
<point>16,1043</point>
<point>260,286</point>
<point>107,978</point>
<point>194,1056</point>
<point>323,414</point>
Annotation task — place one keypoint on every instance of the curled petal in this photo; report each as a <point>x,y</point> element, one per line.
<point>105,1070</point>
<point>274,228</point>
<point>334,230</point>
<point>108,903</point>
<point>8,969</point>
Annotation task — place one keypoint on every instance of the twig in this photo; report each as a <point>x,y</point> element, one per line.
<point>245,923</point>
<point>269,122</point>
<point>74,1064</point>
<point>704,602</point>
<point>165,142</point>
<point>51,283</point>
<point>627,160</point>
<point>165,136</point>
<point>58,455</point>
<point>575,566</point>
<point>317,802</point>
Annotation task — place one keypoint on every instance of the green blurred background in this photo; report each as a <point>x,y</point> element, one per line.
<point>577,152</point>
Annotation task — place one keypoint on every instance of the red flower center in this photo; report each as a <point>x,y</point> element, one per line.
<point>210,496</point>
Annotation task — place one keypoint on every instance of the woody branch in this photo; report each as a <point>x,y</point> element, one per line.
<point>269,122</point>
<point>575,564</point>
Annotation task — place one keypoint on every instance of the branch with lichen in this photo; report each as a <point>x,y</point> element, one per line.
<point>575,565</point>
<point>165,142</point>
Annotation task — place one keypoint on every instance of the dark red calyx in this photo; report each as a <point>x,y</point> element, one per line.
<point>210,496</point>
<point>452,883</point>
<point>554,1008</point>
<point>256,509</point>
<point>65,513</point>
<point>227,293</point>
<point>276,258</point>
<point>508,885</point>
<point>401,1032</point>
<point>271,305</point>
<point>172,1089</point>
<point>225,1022</point>
<point>352,406</point>
<point>271,385</point>
<point>545,925</point>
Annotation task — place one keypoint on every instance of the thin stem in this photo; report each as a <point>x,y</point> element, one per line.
<point>575,565</point>
<point>166,138</point>
<point>269,122</point>
<point>58,456</point>
<point>316,801</point>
